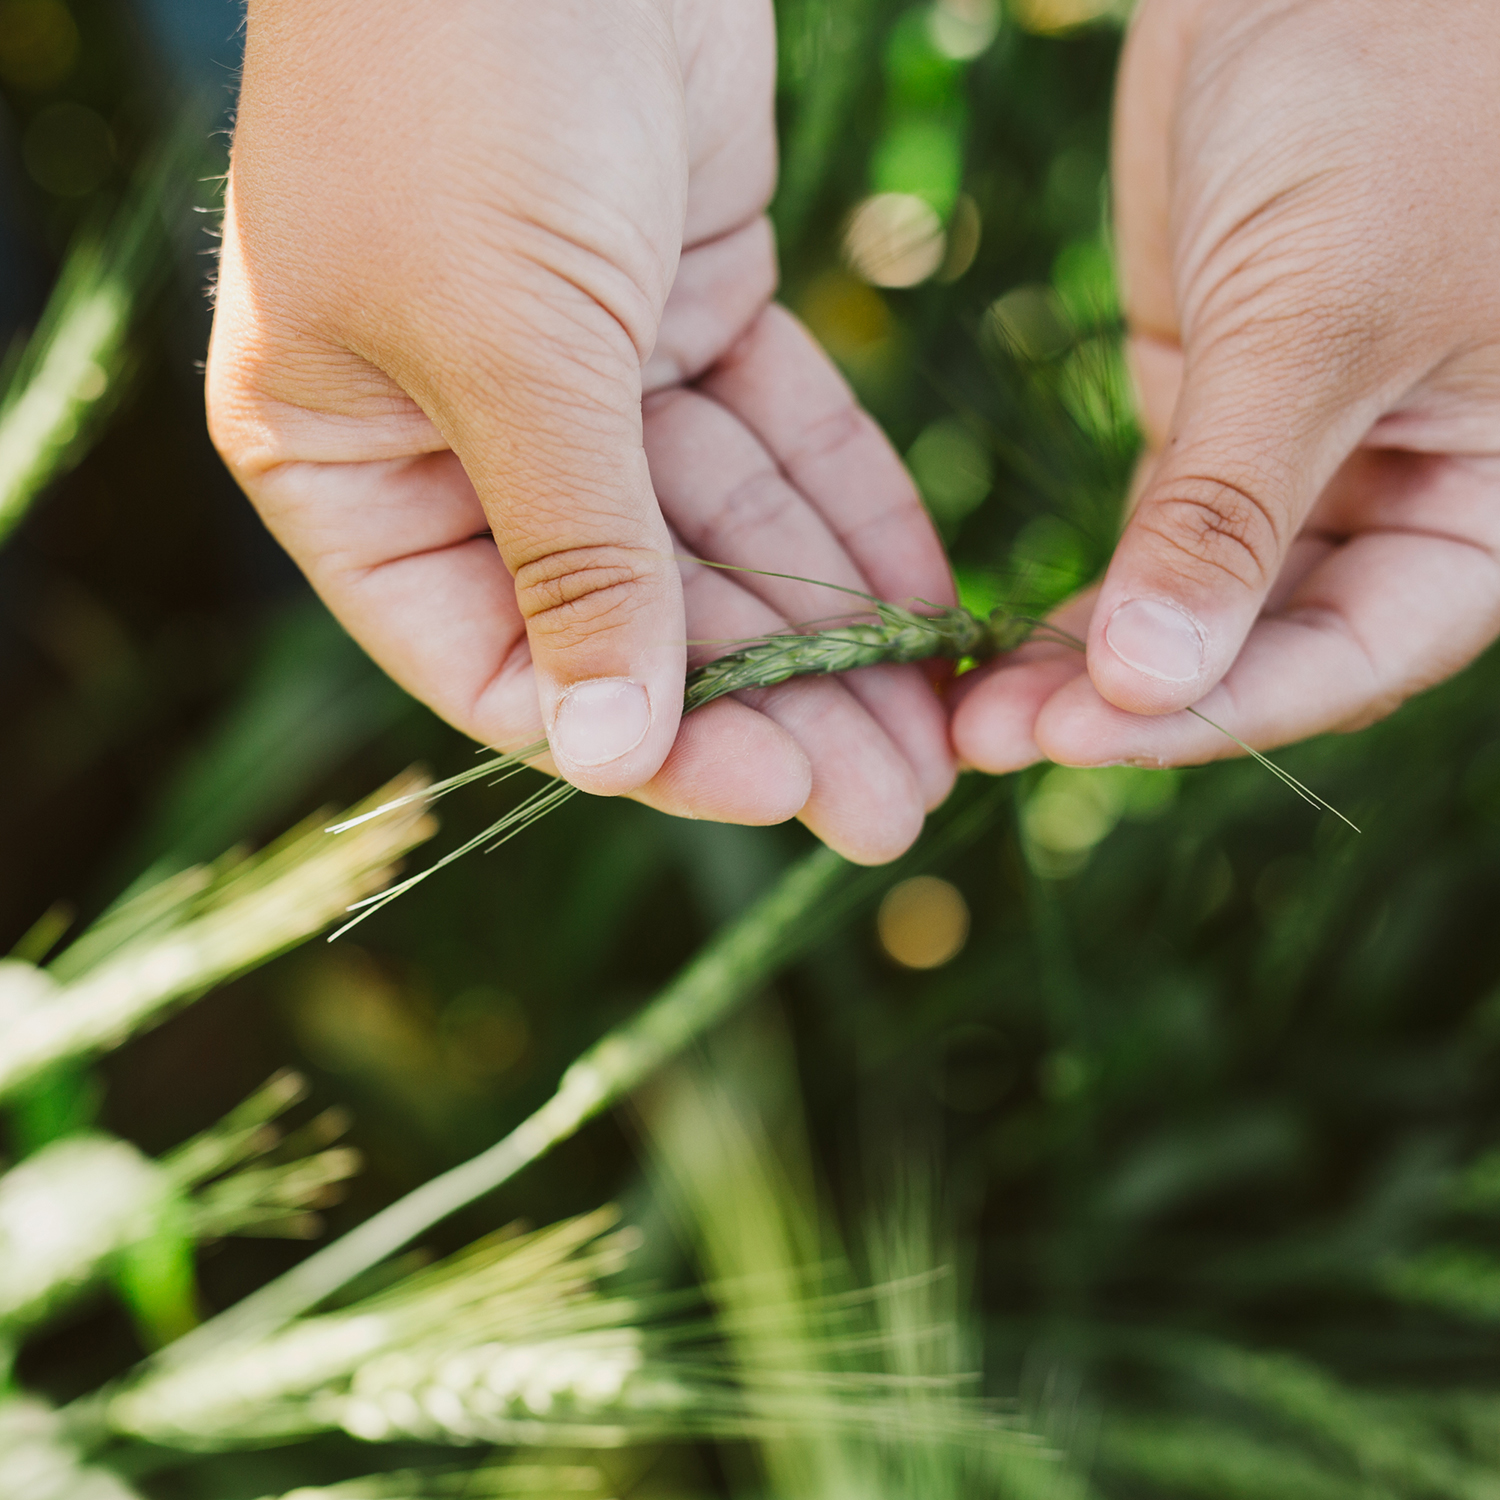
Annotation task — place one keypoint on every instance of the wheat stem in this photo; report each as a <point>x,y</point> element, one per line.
<point>191,932</point>
<point>731,967</point>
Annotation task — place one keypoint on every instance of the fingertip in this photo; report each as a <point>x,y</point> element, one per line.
<point>730,764</point>
<point>604,734</point>
<point>869,842</point>
<point>991,736</point>
<point>1150,656</point>
<point>903,702</point>
<point>995,715</point>
<point>1077,727</point>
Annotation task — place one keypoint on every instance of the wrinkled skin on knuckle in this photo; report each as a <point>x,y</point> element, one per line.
<point>1218,526</point>
<point>570,596</point>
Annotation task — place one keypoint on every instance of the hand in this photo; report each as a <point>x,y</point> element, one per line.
<point>1309,233</point>
<point>462,239</point>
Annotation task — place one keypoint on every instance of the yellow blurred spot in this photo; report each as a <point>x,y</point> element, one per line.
<point>38,43</point>
<point>894,239</point>
<point>847,317</point>
<point>1073,810</point>
<point>1048,17</point>
<point>923,922</point>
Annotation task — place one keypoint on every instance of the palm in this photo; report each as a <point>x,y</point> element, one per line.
<point>1317,346</point>
<point>447,336</point>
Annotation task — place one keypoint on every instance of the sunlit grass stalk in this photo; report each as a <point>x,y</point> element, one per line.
<point>490,1483</point>
<point>243,1176</point>
<point>66,376</point>
<point>733,965</point>
<point>64,1212</point>
<point>74,366</point>
<point>793,1309</point>
<point>513,1341</point>
<point>529,1301</point>
<point>72,1208</point>
<point>37,1462</point>
<point>193,931</point>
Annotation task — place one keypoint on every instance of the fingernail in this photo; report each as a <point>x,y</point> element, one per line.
<point>1158,639</point>
<point>599,721</point>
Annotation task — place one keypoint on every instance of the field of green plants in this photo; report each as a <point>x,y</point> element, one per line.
<point>1137,1135</point>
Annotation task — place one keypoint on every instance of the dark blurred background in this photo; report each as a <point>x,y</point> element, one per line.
<point>1202,1068</point>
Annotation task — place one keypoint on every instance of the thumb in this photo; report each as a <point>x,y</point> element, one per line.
<point>544,411</point>
<point>1258,430</point>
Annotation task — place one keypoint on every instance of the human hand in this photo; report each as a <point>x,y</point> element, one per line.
<point>462,241</point>
<point>1309,233</point>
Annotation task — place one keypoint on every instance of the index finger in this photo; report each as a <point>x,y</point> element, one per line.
<point>787,391</point>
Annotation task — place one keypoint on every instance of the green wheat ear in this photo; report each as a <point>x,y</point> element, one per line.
<point>897,635</point>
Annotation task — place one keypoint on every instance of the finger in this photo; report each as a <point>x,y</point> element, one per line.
<point>1152,64</point>
<point>720,289</point>
<point>401,553</point>
<point>787,391</point>
<point>995,708</point>
<point>540,398</point>
<point>1383,617</point>
<point>1265,416</point>
<point>994,720</point>
<point>1156,373</point>
<point>730,764</point>
<point>731,503</point>
<point>1260,359</point>
<point>444,616</point>
<point>863,801</point>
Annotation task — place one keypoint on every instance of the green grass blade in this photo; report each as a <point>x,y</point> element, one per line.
<point>1306,793</point>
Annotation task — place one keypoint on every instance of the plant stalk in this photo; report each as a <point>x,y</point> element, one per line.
<point>728,970</point>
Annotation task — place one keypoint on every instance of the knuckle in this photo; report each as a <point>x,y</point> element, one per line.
<point>1220,525</point>
<point>755,506</point>
<point>572,594</point>
<point>830,435</point>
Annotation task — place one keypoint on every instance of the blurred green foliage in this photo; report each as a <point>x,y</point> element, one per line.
<point>1209,1095</point>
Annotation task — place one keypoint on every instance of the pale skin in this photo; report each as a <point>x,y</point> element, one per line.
<point>475,251</point>
<point>494,348</point>
<point>1308,222</point>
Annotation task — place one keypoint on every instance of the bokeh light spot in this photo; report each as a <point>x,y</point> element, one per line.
<point>965,229</point>
<point>962,29</point>
<point>894,240</point>
<point>952,468</point>
<point>1029,323</point>
<point>1073,810</point>
<point>68,150</point>
<point>1049,17</point>
<point>845,315</point>
<point>923,922</point>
